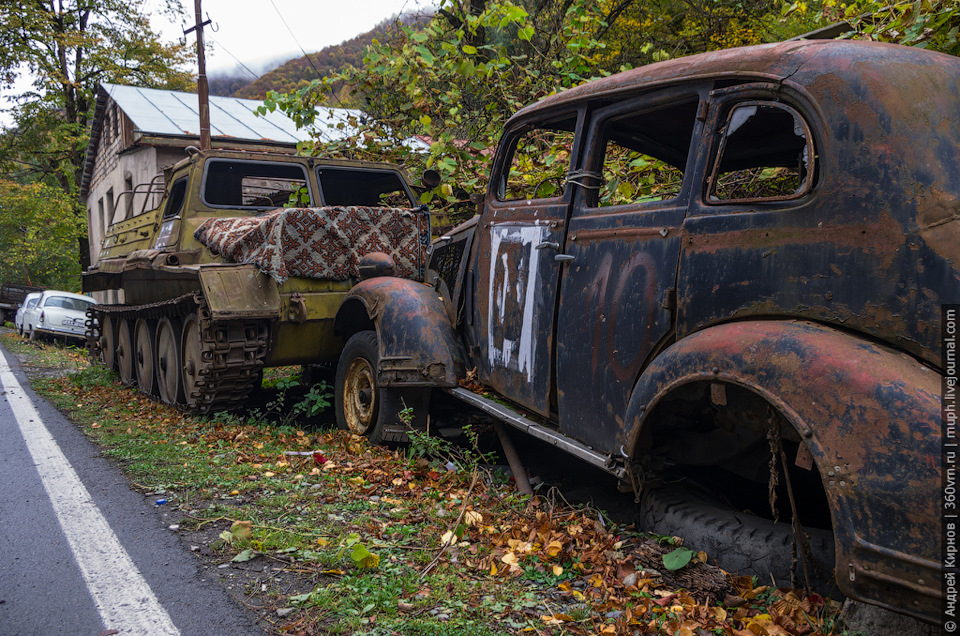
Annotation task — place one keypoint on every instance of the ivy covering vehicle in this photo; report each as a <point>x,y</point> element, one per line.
<point>719,278</point>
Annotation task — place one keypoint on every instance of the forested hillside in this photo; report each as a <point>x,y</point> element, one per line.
<point>299,72</point>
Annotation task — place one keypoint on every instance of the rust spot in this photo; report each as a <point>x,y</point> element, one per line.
<point>886,237</point>
<point>938,215</point>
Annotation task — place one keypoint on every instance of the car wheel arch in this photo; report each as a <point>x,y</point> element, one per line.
<point>848,444</point>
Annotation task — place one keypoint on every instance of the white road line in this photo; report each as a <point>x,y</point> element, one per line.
<point>124,599</point>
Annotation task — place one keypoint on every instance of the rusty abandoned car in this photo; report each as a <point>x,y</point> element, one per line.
<point>711,276</point>
<point>220,281</point>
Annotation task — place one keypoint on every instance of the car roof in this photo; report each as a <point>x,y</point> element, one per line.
<point>54,292</point>
<point>847,60</point>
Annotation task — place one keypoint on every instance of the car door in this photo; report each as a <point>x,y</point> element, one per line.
<point>519,236</point>
<point>618,290</point>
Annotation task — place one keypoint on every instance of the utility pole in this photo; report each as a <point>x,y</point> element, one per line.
<point>203,91</point>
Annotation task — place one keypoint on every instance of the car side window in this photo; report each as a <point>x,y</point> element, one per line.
<point>765,153</point>
<point>645,154</point>
<point>539,162</point>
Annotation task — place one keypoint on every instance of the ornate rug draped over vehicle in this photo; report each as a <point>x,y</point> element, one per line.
<point>322,243</point>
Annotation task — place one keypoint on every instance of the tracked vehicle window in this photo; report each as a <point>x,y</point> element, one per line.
<point>356,186</point>
<point>539,163</point>
<point>644,155</point>
<point>250,184</point>
<point>175,201</point>
<point>765,153</point>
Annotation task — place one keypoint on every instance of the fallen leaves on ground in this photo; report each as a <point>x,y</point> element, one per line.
<point>348,513</point>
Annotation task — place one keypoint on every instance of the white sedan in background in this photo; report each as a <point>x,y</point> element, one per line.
<point>28,301</point>
<point>57,313</point>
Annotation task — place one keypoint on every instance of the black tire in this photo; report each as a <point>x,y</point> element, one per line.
<point>363,407</point>
<point>359,401</point>
<point>738,542</point>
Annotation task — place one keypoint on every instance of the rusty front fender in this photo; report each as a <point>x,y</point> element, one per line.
<point>871,418</point>
<point>418,345</point>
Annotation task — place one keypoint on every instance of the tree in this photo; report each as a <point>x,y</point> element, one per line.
<point>454,80</point>
<point>68,47</point>
<point>38,236</point>
<point>928,24</point>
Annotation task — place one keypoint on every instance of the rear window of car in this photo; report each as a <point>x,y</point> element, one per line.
<point>64,302</point>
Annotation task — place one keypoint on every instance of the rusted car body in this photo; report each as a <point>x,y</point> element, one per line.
<point>741,249</point>
<point>243,265</point>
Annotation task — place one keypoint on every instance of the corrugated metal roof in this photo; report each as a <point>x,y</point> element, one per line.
<point>162,112</point>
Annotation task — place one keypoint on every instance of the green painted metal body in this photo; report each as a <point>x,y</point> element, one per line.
<point>154,257</point>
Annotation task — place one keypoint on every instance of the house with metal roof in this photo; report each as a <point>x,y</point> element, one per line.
<point>138,132</point>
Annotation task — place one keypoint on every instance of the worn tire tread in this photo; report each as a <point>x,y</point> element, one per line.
<point>737,541</point>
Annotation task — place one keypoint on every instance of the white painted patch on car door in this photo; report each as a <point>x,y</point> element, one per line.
<point>514,268</point>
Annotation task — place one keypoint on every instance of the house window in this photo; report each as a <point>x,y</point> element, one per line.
<point>128,193</point>
<point>100,220</point>
<point>765,153</point>
<point>110,209</point>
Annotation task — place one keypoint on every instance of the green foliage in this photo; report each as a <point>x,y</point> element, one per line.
<point>445,454</point>
<point>316,401</point>
<point>454,79</point>
<point>68,48</point>
<point>39,232</point>
<point>926,24</point>
<point>678,558</point>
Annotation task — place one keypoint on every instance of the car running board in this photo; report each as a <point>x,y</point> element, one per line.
<point>607,463</point>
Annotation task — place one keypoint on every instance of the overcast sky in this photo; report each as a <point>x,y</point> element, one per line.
<point>261,34</point>
<point>256,32</point>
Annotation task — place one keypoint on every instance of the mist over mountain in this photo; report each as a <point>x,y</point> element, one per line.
<point>295,73</point>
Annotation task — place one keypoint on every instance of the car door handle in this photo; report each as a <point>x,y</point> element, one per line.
<point>547,245</point>
<point>564,258</point>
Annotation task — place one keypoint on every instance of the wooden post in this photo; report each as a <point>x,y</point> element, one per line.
<point>203,91</point>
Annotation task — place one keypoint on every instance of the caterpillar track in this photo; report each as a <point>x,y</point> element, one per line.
<point>173,350</point>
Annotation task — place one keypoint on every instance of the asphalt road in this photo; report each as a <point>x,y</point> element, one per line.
<point>80,552</point>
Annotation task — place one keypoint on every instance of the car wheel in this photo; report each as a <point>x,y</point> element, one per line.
<point>33,335</point>
<point>358,398</point>
<point>737,541</point>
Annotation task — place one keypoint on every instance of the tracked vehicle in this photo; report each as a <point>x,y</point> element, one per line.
<point>243,265</point>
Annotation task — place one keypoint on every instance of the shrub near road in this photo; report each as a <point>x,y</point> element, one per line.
<point>319,533</point>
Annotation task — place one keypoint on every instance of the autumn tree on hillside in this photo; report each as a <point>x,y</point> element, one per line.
<point>67,47</point>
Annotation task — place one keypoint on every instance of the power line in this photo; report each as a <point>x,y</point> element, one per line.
<point>290,31</point>
<point>242,65</point>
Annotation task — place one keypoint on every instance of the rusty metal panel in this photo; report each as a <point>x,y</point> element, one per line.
<point>418,345</point>
<point>875,246</point>
<point>239,291</point>
<point>614,308</point>
<point>870,417</point>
